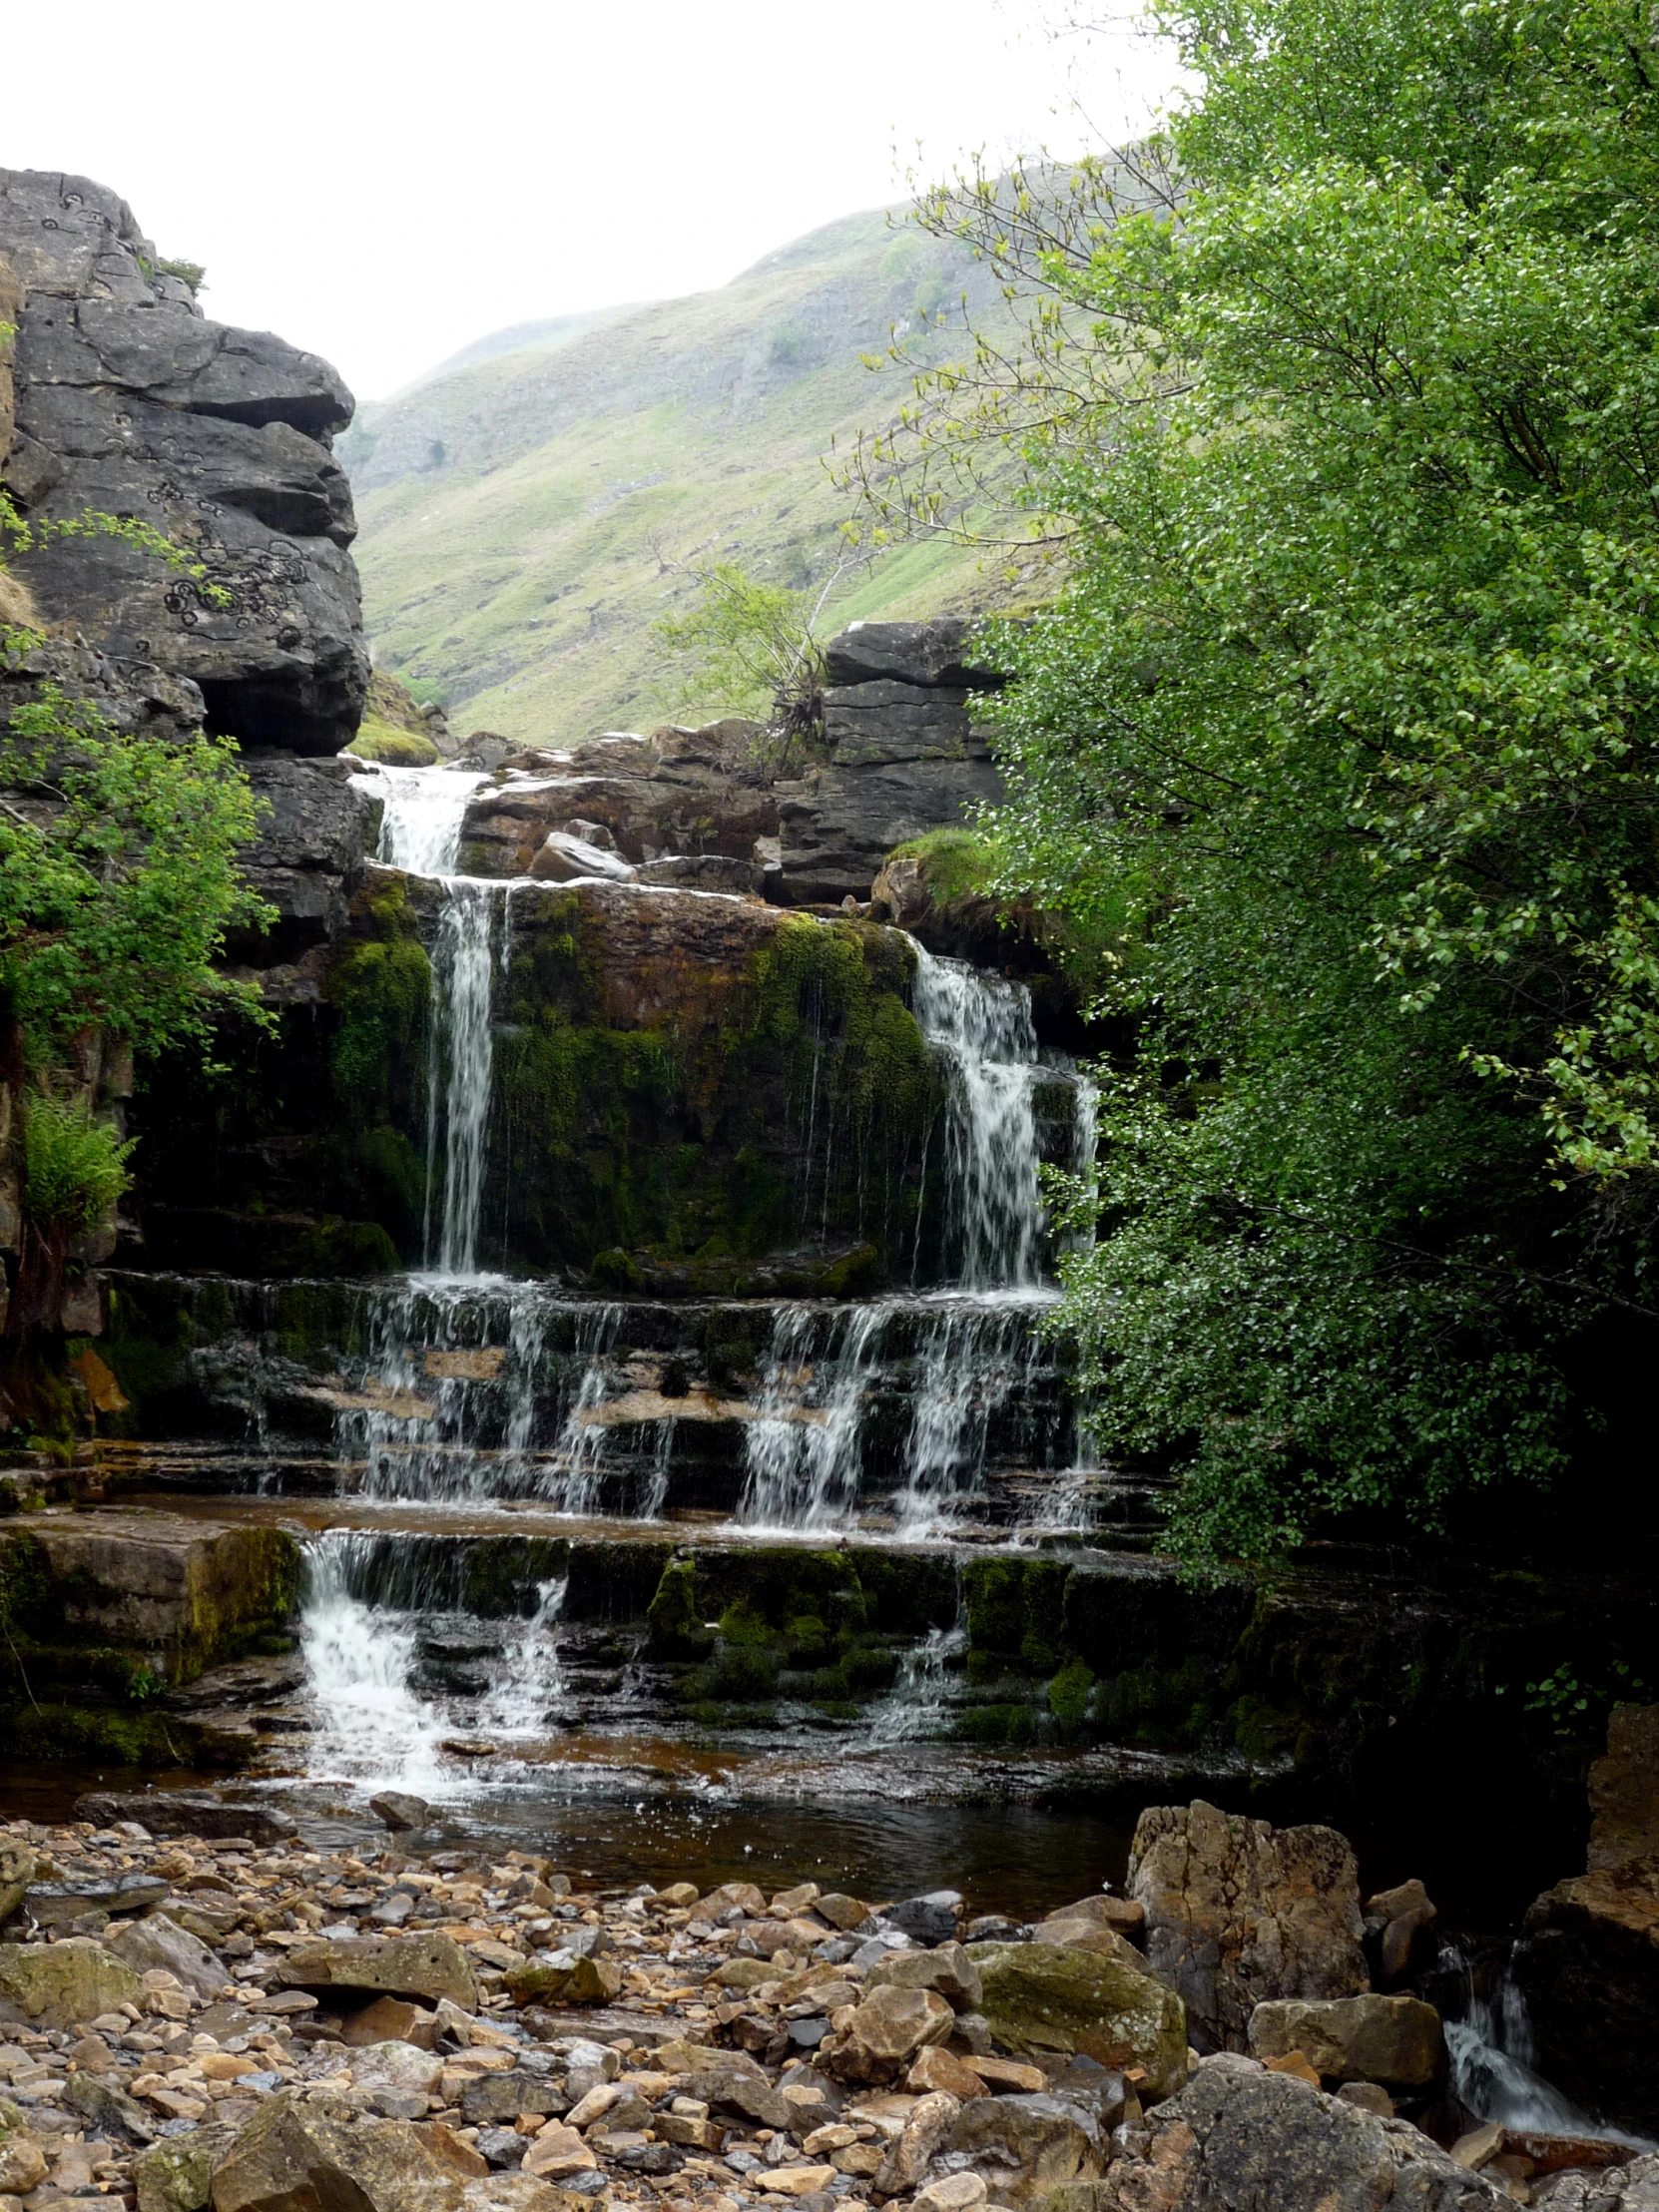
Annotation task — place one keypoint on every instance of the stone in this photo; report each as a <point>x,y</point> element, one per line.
<point>837,824</point>
<point>396,1809</point>
<point>132,403</point>
<point>964,2192</point>
<point>556,2151</point>
<point>1585,1965</point>
<point>1004,2073</point>
<point>1479,2147</point>
<point>388,2020</point>
<point>176,2174</point>
<point>186,1812</point>
<point>1089,1934</point>
<point>794,2181</point>
<point>498,2098</point>
<point>59,1984</point>
<point>1126,1915</point>
<point>18,1868</point>
<point>60,1903</point>
<point>562,859</point>
<point>431,1966</point>
<point>933,653</point>
<point>160,1941</point>
<point>1368,2096</point>
<point>938,2068</point>
<point>1238,1912</point>
<point>107,2109</point>
<point>925,2129</point>
<point>842,1911</point>
<point>22,2163</point>
<point>1392,2040</point>
<point>558,1977</point>
<point>1026,2146</point>
<point>705,872</point>
<point>1624,1792</point>
<point>446,2145</point>
<point>885,2032</point>
<point>397,2065</point>
<point>949,1970</point>
<point>319,2150</point>
<point>305,859</point>
<point>927,1920</point>
<point>1046,1997</point>
<point>522,2192</point>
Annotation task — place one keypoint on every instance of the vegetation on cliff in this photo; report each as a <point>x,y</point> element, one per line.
<point>1345,732</point>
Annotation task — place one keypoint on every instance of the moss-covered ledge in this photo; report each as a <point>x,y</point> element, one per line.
<point>103,1611</point>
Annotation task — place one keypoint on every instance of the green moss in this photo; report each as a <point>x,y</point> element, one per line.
<point>997,1724</point>
<point>381,741</point>
<point>1014,1609</point>
<point>1068,1693</point>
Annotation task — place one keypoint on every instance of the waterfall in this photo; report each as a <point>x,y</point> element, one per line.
<point>531,1682</point>
<point>463,972</point>
<point>802,1450</point>
<point>1492,2056</point>
<point>374,1730</point>
<point>423,811</point>
<point>914,1706</point>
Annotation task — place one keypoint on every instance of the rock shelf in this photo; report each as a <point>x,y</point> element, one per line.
<point>249,2023</point>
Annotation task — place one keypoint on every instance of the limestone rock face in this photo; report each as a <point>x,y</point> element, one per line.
<point>1396,2041</point>
<point>1238,2139</point>
<point>1238,1912</point>
<point>1049,1998</point>
<point>307,859</point>
<point>322,2152</point>
<point>57,1984</point>
<point>128,402</point>
<point>932,653</point>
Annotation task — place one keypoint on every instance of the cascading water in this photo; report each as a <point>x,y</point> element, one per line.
<point>982,1026</point>
<point>522,1704</point>
<point>914,1708</point>
<point>462,1064</point>
<point>422,814</point>
<point>375,1731</point>
<point>1491,2054</point>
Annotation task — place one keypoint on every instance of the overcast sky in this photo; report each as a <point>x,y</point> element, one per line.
<point>385,183</point>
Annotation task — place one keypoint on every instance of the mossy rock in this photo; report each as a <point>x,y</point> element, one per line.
<point>1044,1999</point>
<point>176,2174</point>
<point>394,747</point>
<point>57,1984</point>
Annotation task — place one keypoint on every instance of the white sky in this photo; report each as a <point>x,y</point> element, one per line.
<point>383,183</point>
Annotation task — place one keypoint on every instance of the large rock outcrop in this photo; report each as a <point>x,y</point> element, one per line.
<point>126,401</point>
<point>1238,1912</point>
<point>904,755</point>
<point>1589,1960</point>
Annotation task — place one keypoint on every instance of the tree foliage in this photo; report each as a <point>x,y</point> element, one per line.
<point>1346,725</point>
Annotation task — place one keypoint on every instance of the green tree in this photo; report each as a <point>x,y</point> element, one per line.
<point>758,646</point>
<point>1347,724</point>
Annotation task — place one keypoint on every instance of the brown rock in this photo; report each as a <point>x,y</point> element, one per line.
<point>446,2145</point>
<point>1043,1999</point>
<point>558,2150</point>
<point>1126,1915</point>
<point>1238,1912</point>
<point>1297,2065</point>
<point>1365,2038</point>
<point>938,2069</point>
<point>840,1910</point>
<point>948,1971</point>
<point>557,1978</point>
<point>923,2132</point>
<point>887,2031</point>
<point>1624,1792</point>
<point>426,1965</point>
<point>1368,2096</point>
<point>387,2021</point>
<point>319,2152</point>
<point>1081,1934</point>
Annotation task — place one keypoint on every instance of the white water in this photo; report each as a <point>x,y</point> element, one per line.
<point>462,1062</point>
<point>523,1700</point>
<point>984,1027</point>
<point>915,1705</point>
<point>1491,2053</point>
<point>420,829</point>
<point>378,1734</point>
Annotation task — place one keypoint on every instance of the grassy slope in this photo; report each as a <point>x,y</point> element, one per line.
<point>521,517</point>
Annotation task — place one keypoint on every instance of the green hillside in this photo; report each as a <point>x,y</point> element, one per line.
<point>523,513</point>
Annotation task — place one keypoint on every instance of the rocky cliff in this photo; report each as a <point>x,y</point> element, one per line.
<point>128,402</point>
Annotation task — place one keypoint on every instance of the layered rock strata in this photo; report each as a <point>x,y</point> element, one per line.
<point>129,403</point>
